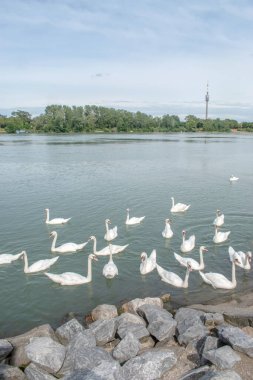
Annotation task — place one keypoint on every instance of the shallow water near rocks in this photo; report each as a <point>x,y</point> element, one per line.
<point>94,177</point>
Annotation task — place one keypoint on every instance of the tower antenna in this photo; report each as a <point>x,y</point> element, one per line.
<point>207,100</point>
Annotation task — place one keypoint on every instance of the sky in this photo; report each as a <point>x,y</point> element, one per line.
<point>140,55</point>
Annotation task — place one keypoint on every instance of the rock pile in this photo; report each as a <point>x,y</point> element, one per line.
<point>145,342</point>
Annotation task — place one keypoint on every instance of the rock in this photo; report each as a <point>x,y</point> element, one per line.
<point>193,333</point>
<point>161,323</point>
<point>165,297</point>
<point>67,331</point>
<point>127,348</point>
<point>237,339</point>
<point>131,323</point>
<point>187,317</point>
<point>46,353</point>
<point>86,358</point>
<point>40,331</point>
<point>104,371</point>
<point>195,373</point>
<point>223,357</point>
<point>109,347</point>
<point>248,330</point>
<point>104,330</point>
<point>8,372</point>
<point>210,343</point>
<point>132,306</point>
<point>36,373</point>
<point>5,348</point>
<point>150,365</point>
<point>19,357</point>
<point>104,312</point>
<point>213,319</point>
<point>146,343</point>
<point>221,375</point>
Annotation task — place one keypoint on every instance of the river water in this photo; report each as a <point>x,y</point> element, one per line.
<point>94,177</point>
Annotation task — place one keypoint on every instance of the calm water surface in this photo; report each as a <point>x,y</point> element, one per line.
<point>91,178</point>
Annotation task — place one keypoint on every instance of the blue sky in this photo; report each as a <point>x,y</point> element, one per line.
<point>153,56</point>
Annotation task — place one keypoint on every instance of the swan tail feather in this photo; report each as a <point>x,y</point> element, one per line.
<point>53,277</point>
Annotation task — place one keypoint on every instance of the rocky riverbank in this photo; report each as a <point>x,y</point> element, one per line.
<point>141,341</point>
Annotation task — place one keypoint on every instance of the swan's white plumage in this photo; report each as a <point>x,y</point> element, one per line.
<point>55,220</point>
<point>219,281</point>
<point>172,278</point>
<point>67,247</point>
<point>38,266</point>
<point>167,232</point>
<point>106,250</point>
<point>219,236</point>
<point>244,259</point>
<point>187,244</point>
<point>178,207</point>
<point>148,263</point>
<point>233,178</point>
<point>219,220</point>
<point>110,233</point>
<point>133,220</point>
<point>71,278</point>
<point>194,264</point>
<point>110,269</point>
<point>7,258</point>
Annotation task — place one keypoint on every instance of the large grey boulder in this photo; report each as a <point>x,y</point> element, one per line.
<point>86,358</point>
<point>221,375</point>
<point>40,331</point>
<point>209,343</point>
<point>46,353</point>
<point>36,373</point>
<point>223,357</point>
<point>194,333</point>
<point>132,306</point>
<point>131,323</point>
<point>237,339</point>
<point>190,325</point>
<point>161,324</point>
<point>150,365</point>
<point>127,348</point>
<point>80,342</point>
<point>104,330</point>
<point>8,372</point>
<point>195,373</point>
<point>19,357</point>
<point>104,312</point>
<point>67,331</point>
<point>5,348</point>
<point>104,371</point>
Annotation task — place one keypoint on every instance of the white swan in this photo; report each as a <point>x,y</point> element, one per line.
<point>55,220</point>
<point>70,278</point>
<point>245,258</point>
<point>187,244</point>
<point>110,233</point>
<point>219,220</point>
<point>178,207</point>
<point>7,258</point>
<point>167,232</point>
<point>233,178</point>
<point>194,264</point>
<point>133,220</point>
<point>106,250</point>
<point>172,278</point>
<point>110,270</point>
<point>220,237</point>
<point>217,280</point>
<point>38,265</point>
<point>148,263</point>
<point>67,247</point>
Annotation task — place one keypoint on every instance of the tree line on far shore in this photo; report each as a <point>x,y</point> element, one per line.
<point>92,119</point>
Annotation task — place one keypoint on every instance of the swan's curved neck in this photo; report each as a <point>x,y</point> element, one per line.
<point>25,262</point>
<point>89,274</point>
<point>106,226</point>
<point>183,237</point>
<point>54,242</point>
<point>95,246</point>
<point>127,219</point>
<point>185,283</point>
<point>173,202</point>
<point>201,259</point>
<point>47,215</point>
<point>233,274</point>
